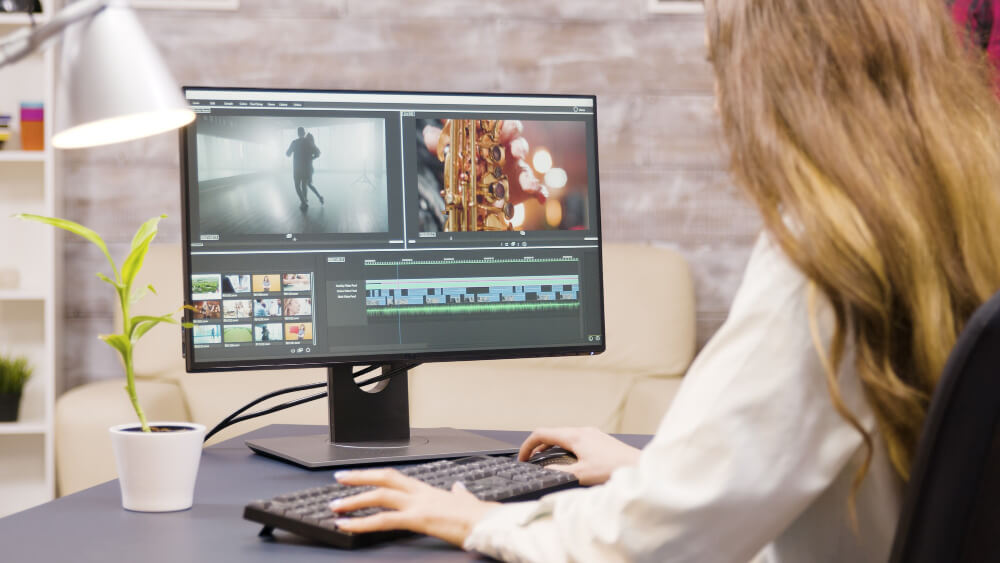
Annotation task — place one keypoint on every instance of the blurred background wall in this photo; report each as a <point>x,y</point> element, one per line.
<point>663,168</point>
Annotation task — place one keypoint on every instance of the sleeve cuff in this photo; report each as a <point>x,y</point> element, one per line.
<point>501,520</point>
<point>504,528</point>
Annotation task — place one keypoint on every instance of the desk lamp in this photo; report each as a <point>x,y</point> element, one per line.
<point>113,84</point>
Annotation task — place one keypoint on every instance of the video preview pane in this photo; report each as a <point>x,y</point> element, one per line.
<point>280,175</point>
<point>496,175</point>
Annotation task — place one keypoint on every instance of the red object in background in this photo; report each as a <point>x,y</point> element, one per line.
<point>32,127</point>
<point>981,18</point>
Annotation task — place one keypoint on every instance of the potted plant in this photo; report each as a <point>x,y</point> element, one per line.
<point>157,462</point>
<point>14,373</point>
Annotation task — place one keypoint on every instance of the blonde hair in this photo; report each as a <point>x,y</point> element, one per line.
<point>868,135</point>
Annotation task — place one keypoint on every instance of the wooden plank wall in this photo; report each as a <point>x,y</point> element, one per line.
<point>663,176</point>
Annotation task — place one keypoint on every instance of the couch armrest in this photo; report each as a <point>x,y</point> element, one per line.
<point>83,415</point>
<point>647,402</point>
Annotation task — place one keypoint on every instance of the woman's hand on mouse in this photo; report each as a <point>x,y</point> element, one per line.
<point>598,454</point>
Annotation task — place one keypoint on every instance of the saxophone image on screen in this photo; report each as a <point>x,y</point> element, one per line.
<point>475,186</point>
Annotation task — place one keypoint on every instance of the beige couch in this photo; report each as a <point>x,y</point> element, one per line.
<point>650,336</point>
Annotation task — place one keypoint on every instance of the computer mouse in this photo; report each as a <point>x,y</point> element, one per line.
<point>553,456</point>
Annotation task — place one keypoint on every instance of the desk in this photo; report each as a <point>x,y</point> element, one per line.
<point>91,525</point>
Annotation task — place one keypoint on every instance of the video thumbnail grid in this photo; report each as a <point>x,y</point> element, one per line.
<point>234,310</point>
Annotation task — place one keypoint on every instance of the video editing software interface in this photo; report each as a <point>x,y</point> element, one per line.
<point>339,226</point>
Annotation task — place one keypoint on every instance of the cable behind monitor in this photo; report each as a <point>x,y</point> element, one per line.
<point>235,417</point>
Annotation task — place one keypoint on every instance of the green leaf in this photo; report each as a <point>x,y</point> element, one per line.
<point>142,324</point>
<point>118,342</point>
<point>148,228</point>
<point>138,295</point>
<point>14,373</point>
<point>76,229</point>
<point>161,318</point>
<point>152,289</point>
<point>132,264</point>
<point>140,329</point>
<point>104,278</point>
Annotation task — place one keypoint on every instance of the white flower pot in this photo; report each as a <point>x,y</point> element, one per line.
<point>157,470</point>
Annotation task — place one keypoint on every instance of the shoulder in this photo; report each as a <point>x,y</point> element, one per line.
<point>770,278</point>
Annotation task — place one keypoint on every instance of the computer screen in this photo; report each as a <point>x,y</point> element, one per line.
<point>325,227</point>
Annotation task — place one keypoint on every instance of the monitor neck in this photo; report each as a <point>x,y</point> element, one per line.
<point>379,413</point>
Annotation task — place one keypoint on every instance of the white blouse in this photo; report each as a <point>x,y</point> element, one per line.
<point>751,458</point>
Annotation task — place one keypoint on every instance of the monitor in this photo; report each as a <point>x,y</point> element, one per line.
<point>348,228</point>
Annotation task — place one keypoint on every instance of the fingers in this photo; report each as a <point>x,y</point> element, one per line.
<point>431,136</point>
<point>519,148</point>
<point>383,498</point>
<point>407,510</point>
<point>458,488</point>
<point>569,468</point>
<point>379,478</point>
<point>543,438</point>
<point>510,130</point>
<point>379,522</point>
<point>529,183</point>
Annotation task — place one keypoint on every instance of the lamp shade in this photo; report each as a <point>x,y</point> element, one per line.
<point>113,85</point>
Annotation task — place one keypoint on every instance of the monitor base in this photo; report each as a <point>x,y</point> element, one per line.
<point>317,452</point>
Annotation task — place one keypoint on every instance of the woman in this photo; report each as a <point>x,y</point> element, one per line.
<point>868,140</point>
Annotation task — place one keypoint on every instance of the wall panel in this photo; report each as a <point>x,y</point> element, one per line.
<point>663,167</point>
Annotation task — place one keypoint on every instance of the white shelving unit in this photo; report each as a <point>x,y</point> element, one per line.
<point>29,297</point>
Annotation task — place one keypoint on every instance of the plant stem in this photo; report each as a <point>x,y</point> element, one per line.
<point>123,296</point>
<point>130,389</point>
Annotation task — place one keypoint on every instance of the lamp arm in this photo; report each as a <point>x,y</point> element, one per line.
<point>23,42</point>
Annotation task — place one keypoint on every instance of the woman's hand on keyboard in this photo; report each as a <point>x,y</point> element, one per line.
<point>415,506</point>
<point>598,454</point>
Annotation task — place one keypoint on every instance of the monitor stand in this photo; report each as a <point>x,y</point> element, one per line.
<point>372,427</point>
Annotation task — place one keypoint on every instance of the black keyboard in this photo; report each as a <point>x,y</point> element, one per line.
<point>502,479</point>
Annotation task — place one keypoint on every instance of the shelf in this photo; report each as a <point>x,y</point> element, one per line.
<point>22,19</point>
<point>8,428</point>
<point>22,156</point>
<point>21,295</point>
<point>29,317</point>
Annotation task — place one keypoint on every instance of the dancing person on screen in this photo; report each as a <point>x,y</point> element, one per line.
<point>311,142</point>
<point>866,135</point>
<point>302,153</point>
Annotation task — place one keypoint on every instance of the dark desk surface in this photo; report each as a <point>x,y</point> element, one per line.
<point>92,526</point>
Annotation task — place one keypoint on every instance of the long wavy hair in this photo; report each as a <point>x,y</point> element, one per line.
<point>868,134</point>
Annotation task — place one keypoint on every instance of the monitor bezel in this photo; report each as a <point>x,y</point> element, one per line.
<point>436,356</point>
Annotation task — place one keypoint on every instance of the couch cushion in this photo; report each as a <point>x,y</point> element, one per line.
<point>649,313</point>
<point>647,402</point>
<point>514,395</point>
<point>83,416</point>
<point>214,396</point>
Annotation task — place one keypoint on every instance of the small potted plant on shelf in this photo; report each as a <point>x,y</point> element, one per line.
<point>14,374</point>
<point>157,461</point>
